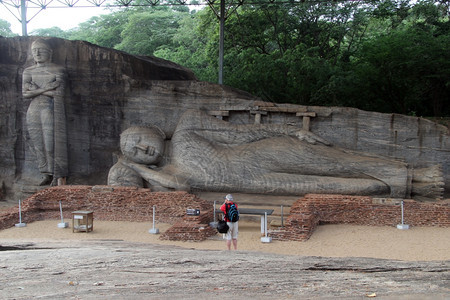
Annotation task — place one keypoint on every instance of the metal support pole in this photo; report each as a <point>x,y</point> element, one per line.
<point>221,39</point>
<point>23,17</point>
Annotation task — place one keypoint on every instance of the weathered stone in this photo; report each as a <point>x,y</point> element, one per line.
<point>110,91</point>
<point>125,270</point>
<point>208,154</point>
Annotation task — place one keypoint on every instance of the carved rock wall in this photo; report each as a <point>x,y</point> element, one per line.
<point>415,140</point>
<point>99,106</point>
<point>109,90</point>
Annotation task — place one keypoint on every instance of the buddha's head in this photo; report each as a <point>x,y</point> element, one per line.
<point>41,51</point>
<point>143,145</point>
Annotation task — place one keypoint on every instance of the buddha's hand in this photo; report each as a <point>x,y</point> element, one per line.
<point>51,85</point>
<point>31,86</point>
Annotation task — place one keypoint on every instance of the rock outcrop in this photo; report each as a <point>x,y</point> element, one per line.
<point>108,91</point>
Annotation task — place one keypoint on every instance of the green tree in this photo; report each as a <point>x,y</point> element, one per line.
<point>402,69</point>
<point>5,29</point>
<point>104,30</point>
<point>388,55</point>
<point>285,53</point>
<point>53,31</point>
<point>188,47</point>
<point>146,31</point>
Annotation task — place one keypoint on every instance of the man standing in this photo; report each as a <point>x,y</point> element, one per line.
<point>232,233</point>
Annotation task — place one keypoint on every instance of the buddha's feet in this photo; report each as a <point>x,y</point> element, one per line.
<point>428,183</point>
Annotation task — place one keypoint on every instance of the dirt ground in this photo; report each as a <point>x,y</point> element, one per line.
<point>414,244</point>
<point>122,260</point>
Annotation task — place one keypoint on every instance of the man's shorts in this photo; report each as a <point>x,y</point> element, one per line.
<point>233,231</point>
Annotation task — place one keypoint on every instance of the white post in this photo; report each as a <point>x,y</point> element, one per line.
<point>20,212</point>
<point>215,211</point>
<point>154,230</point>
<point>282,221</point>
<point>265,239</point>
<point>402,213</point>
<point>214,222</point>
<point>402,226</point>
<point>60,211</point>
<point>20,224</point>
<point>62,224</point>
<point>265,224</point>
<point>262,225</point>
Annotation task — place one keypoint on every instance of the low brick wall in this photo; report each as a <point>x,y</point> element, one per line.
<point>133,204</point>
<point>313,209</point>
<point>190,228</point>
<point>116,204</point>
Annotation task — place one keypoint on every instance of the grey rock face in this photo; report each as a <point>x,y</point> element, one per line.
<point>213,155</point>
<point>108,91</point>
<point>168,272</point>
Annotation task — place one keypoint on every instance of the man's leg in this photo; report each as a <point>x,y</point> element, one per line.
<point>234,234</point>
<point>229,235</point>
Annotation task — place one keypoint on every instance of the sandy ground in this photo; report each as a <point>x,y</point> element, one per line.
<point>414,244</point>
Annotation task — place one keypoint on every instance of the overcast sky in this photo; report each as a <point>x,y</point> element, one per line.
<point>64,18</point>
<point>56,14</point>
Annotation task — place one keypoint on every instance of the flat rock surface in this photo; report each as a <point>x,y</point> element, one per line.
<point>116,269</point>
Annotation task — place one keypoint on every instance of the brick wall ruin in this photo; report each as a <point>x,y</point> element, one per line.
<point>119,204</point>
<point>308,212</point>
<point>133,204</point>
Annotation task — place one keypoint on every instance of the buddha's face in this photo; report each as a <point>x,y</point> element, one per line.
<point>41,53</point>
<point>142,147</point>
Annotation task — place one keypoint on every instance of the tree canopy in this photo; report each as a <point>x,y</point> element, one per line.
<point>388,56</point>
<point>5,29</point>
